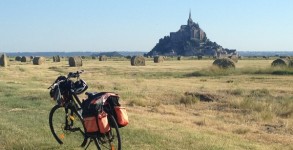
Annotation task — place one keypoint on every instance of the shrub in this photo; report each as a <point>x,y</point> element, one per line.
<point>259,93</point>
<point>188,100</point>
<point>241,131</point>
<point>224,63</point>
<point>237,92</point>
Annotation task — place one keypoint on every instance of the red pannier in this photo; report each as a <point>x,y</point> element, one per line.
<point>97,123</point>
<point>121,116</point>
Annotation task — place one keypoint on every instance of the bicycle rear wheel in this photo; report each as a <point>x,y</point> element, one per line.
<point>110,140</point>
<point>66,126</point>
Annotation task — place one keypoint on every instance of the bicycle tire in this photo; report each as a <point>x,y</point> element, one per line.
<point>72,133</point>
<point>110,140</point>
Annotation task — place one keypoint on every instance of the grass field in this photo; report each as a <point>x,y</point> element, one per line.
<point>252,107</point>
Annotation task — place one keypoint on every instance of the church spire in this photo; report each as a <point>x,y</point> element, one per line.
<point>189,22</point>
<point>189,14</point>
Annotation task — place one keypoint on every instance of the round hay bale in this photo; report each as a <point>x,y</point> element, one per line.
<point>56,58</point>
<point>179,58</point>
<point>39,60</point>
<point>25,59</point>
<point>103,58</point>
<point>280,62</point>
<point>75,61</point>
<point>158,59</point>
<point>18,58</point>
<point>199,57</point>
<point>3,60</point>
<point>234,58</point>
<point>31,57</point>
<point>137,61</point>
<point>224,63</point>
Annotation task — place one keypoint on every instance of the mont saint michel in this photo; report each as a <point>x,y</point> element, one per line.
<point>189,40</point>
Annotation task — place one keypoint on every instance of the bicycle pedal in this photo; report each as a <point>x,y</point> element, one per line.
<point>74,129</point>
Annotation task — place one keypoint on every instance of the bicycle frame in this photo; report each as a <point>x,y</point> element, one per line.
<point>68,100</point>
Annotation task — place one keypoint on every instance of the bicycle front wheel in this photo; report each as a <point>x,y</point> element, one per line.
<point>66,126</point>
<point>110,140</point>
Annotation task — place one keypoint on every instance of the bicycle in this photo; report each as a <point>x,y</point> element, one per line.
<point>65,118</point>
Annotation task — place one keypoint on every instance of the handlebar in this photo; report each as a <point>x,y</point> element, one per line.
<point>70,75</point>
<point>74,74</point>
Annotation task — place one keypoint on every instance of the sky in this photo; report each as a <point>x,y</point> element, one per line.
<point>137,25</point>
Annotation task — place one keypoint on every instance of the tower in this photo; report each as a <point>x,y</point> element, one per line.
<point>189,21</point>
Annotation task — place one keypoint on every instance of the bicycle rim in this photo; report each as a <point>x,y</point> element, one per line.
<point>70,132</point>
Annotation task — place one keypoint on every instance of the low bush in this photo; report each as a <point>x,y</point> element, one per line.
<point>188,100</point>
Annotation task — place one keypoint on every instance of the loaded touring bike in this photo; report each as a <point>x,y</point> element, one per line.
<point>96,119</point>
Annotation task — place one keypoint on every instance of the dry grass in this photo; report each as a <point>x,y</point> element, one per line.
<point>255,111</point>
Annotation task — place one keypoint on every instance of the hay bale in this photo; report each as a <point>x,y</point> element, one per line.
<point>25,59</point>
<point>18,58</point>
<point>199,57</point>
<point>75,61</point>
<point>31,57</point>
<point>281,62</point>
<point>234,58</point>
<point>224,63</point>
<point>158,59</point>
<point>179,58</point>
<point>39,60</point>
<point>103,58</point>
<point>137,61</point>
<point>3,60</point>
<point>56,58</point>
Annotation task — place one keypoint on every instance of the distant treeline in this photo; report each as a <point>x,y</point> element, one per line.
<point>69,54</point>
<point>129,53</point>
<point>265,53</point>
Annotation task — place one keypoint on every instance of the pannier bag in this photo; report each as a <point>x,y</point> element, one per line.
<point>122,117</point>
<point>90,124</point>
<point>97,123</point>
<point>95,118</point>
<point>103,122</point>
<point>119,112</point>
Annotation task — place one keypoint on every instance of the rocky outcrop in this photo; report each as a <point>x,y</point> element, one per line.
<point>189,40</point>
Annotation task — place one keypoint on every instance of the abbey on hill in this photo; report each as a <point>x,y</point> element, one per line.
<point>189,40</point>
